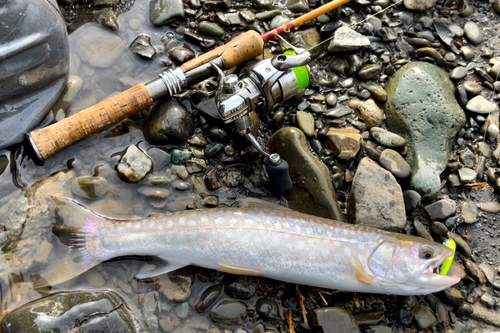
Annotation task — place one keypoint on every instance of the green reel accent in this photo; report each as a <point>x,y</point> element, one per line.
<point>301,73</point>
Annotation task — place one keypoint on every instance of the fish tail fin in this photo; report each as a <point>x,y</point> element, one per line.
<point>78,231</point>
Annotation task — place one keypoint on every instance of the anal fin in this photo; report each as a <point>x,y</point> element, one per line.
<point>159,266</point>
<point>240,270</point>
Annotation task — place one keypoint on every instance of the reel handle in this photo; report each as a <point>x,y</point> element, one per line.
<point>279,177</point>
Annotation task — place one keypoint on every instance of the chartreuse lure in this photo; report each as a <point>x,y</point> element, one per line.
<point>445,268</point>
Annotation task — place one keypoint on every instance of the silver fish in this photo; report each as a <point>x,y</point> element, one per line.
<point>279,244</point>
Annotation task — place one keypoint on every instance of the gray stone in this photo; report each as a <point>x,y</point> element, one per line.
<point>423,317</point>
<point>141,46</point>
<point>162,12</point>
<point>473,32</point>
<point>467,52</point>
<point>93,310</point>
<point>344,142</point>
<point>489,272</point>
<point>481,105</point>
<point>369,111</point>
<point>430,135</point>
<point>134,165</point>
<point>307,39</point>
<point>458,73</point>
<point>93,41</point>
<point>267,15</point>
<point>297,6</point>
<point>377,92</point>
<point>176,285</point>
<point>412,199</point>
<point>462,246</point>
<point>169,123</point>
<point>441,209</point>
<point>467,175</point>
<point>419,5</point>
<point>195,165</point>
<point>316,195</point>
<point>279,20</point>
<point>331,99</point>
<point>387,138</point>
<point>493,68</point>
<point>383,208</point>
<point>468,210</point>
<point>472,88</point>
<point>439,228</point>
<point>485,315</point>
<point>155,193</point>
<point>369,72</point>
<point>107,18</point>
<point>180,55</point>
<point>453,296</point>
<point>211,28</point>
<point>333,320</point>
<point>345,39</point>
<point>395,163</point>
<point>467,158</point>
<point>421,230</point>
<point>339,112</point>
<point>180,157</point>
<point>492,207</point>
<point>208,298</point>
<point>213,149</point>
<point>96,280</point>
<point>230,313</point>
<point>305,121</point>
<point>488,301</point>
<point>89,187</point>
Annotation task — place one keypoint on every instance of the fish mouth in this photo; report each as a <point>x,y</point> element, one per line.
<point>430,277</point>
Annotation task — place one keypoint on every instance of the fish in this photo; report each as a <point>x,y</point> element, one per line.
<point>280,244</point>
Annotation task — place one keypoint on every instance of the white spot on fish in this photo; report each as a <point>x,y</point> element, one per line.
<point>182,220</point>
<point>347,251</point>
<point>152,224</point>
<point>325,251</point>
<point>137,226</point>
<point>204,220</point>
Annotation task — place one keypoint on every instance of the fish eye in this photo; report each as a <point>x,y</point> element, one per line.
<point>426,253</point>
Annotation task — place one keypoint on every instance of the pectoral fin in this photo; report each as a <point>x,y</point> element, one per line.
<point>157,267</point>
<point>240,270</point>
<point>360,273</point>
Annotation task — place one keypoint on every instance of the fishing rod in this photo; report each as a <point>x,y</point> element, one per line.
<point>49,140</point>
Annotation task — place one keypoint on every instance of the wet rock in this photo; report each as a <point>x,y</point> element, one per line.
<point>423,317</point>
<point>383,209</point>
<point>457,270</point>
<point>307,39</point>
<point>458,73</point>
<point>496,6</point>
<point>169,123</point>
<point>176,285</point>
<point>230,313</point>
<point>297,6</point>
<point>462,245</point>
<point>279,20</point>
<point>154,193</point>
<point>387,138</point>
<point>493,68</point>
<point>93,41</point>
<point>89,187</point>
<point>213,149</point>
<point>83,311</point>
<point>345,40</point>
<point>134,165</point>
<point>473,32</point>
<point>441,209</point>
<point>369,72</point>
<point>369,111</point>
<point>490,207</point>
<point>211,201</point>
<point>376,91</point>
<point>488,301</point>
<point>481,105</point>
<point>305,121</point>
<point>210,28</point>
<point>182,310</point>
<point>484,315</point>
<point>162,12</point>
<point>333,320</point>
<point>430,135</point>
<point>439,228</point>
<point>180,55</point>
<point>141,46</point>
<point>421,230</point>
<point>267,15</point>
<point>107,18</point>
<point>195,165</point>
<point>369,318</point>
<point>454,296</point>
<point>412,199</point>
<point>339,112</point>
<point>267,308</point>
<point>469,211</point>
<point>419,5</point>
<point>241,286</point>
<point>331,99</point>
<point>344,142</point>
<point>467,175</point>
<point>209,296</point>
<point>472,88</point>
<point>464,310</point>
<point>489,272</point>
<point>395,163</point>
<point>467,52</point>
<point>180,157</point>
<point>316,195</point>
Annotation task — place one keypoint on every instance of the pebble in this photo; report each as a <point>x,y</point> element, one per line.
<point>305,122</point>
<point>213,149</point>
<point>369,318</point>
<point>464,310</point>
<point>134,165</point>
<point>182,310</point>
<point>96,280</point>
<point>481,105</point>
<point>339,112</point>
<point>162,12</point>
<point>462,245</point>
<point>195,165</point>
<point>439,228</point>
<point>346,39</point>
<point>208,298</point>
<point>169,123</point>
<point>369,111</point>
<point>383,209</point>
<point>267,15</point>
<point>467,52</point>
<point>458,73</point>
<point>488,301</point>
<point>395,163</point>
<point>297,6</point>
<point>141,46</point>
<point>496,6</point>
<point>412,200</point>
<point>107,18</point>
<point>441,209</point>
<point>331,99</point>
<point>89,187</point>
<point>469,212</point>
<point>180,55</point>
<point>176,285</point>
<point>423,317</point>
<point>230,313</point>
<point>333,320</point>
<point>489,273</point>
<point>493,68</point>
<point>454,296</point>
<point>344,142</point>
<point>241,287</point>
<point>421,230</point>
<point>461,95</point>
<point>472,88</point>
<point>473,32</point>
<point>467,175</point>
<point>419,5</point>
<point>369,72</point>
<point>211,201</point>
<point>154,192</point>
<point>377,92</point>
<point>180,157</point>
<point>429,52</point>
<point>386,138</point>
<point>492,207</point>
<point>485,315</point>
<point>211,28</point>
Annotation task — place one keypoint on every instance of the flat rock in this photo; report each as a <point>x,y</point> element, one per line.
<point>333,320</point>
<point>344,142</point>
<point>473,32</point>
<point>395,163</point>
<point>346,39</point>
<point>316,195</point>
<point>467,175</point>
<point>419,5</point>
<point>162,12</point>
<point>468,210</point>
<point>387,138</point>
<point>369,111</point>
<point>305,121</point>
<point>381,208</point>
<point>441,209</point>
<point>485,315</point>
<point>430,135</point>
<point>227,312</point>
<point>481,105</point>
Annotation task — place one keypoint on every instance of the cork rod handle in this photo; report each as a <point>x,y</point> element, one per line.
<point>51,139</point>
<point>245,47</point>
